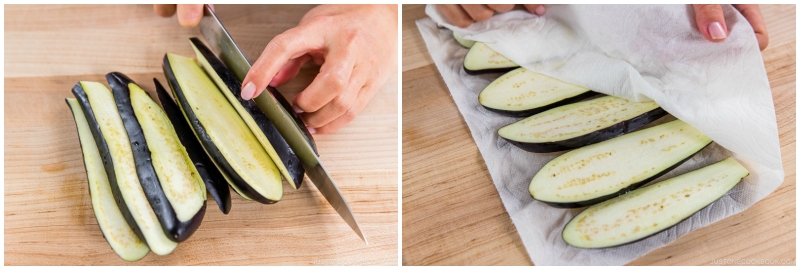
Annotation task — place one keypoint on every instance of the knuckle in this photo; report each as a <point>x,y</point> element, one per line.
<point>483,15</point>
<point>339,105</point>
<point>349,115</point>
<point>710,9</point>
<point>281,43</point>
<point>336,81</point>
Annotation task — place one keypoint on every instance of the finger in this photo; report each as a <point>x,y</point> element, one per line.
<point>333,78</point>
<point>290,44</point>
<point>536,9</point>
<point>456,15</point>
<point>501,8</point>
<point>339,105</point>
<point>711,22</point>
<point>287,72</point>
<point>366,93</point>
<point>753,15</point>
<point>190,15</point>
<point>478,13</point>
<point>163,10</point>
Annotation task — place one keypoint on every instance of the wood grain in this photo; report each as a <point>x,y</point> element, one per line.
<point>452,214</point>
<point>48,215</point>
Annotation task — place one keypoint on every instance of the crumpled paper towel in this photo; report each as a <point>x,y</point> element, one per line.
<point>631,51</point>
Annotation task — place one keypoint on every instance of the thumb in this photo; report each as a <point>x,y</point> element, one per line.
<point>291,44</point>
<point>711,22</point>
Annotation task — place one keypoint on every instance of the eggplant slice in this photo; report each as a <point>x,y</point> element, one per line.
<point>119,235</point>
<point>213,179</point>
<point>109,133</point>
<point>601,171</point>
<point>522,93</point>
<point>276,146</point>
<point>482,59</point>
<point>652,209</point>
<point>168,177</point>
<point>224,135</point>
<point>463,42</point>
<point>580,124</point>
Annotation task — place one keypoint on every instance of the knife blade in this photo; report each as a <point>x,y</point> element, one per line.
<point>221,42</point>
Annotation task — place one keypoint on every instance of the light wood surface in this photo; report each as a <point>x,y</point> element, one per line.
<point>452,214</point>
<point>48,215</point>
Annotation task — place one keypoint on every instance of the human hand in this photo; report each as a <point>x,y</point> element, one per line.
<point>188,15</point>
<point>356,47</point>
<point>711,22</point>
<point>464,15</point>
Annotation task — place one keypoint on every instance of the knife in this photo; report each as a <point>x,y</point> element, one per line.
<point>221,41</point>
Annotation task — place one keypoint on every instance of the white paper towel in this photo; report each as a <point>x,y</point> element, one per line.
<point>631,51</point>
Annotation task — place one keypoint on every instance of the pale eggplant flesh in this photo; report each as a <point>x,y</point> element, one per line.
<point>213,179</point>
<point>168,177</point>
<point>598,172</point>
<point>481,59</point>
<point>116,230</point>
<point>267,134</point>
<point>109,133</point>
<point>644,212</point>
<point>221,131</point>
<point>580,124</point>
<point>463,42</point>
<point>522,93</point>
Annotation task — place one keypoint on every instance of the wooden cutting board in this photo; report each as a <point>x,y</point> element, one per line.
<point>452,214</point>
<point>48,215</point>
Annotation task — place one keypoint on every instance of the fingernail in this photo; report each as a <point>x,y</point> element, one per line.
<point>312,130</point>
<point>716,31</point>
<point>248,91</point>
<point>540,10</point>
<point>297,109</point>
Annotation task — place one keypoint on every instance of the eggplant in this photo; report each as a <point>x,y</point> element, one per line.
<point>221,131</point>
<point>119,235</point>
<point>112,140</point>
<point>580,124</point>
<point>298,122</point>
<point>267,134</point>
<point>168,177</point>
<point>463,42</point>
<point>522,93</point>
<point>213,179</point>
<point>598,172</point>
<point>481,59</point>
<point>652,209</point>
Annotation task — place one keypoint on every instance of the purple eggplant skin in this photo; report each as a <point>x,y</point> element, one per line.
<point>488,71</point>
<point>597,136</point>
<point>206,141</point>
<point>105,155</point>
<point>215,182</point>
<point>285,153</point>
<point>621,191</point>
<point>174,229</point>
<point>533,111</point>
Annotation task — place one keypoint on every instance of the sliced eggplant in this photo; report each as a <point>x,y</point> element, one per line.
<point>482,59</point>
<point>213,179</point>
<point>652,209</point>
<point>224,135</point>
<point>597,172</point>
<point>463,42</point>
<point>579,124</point>
<point>276,146</point>
<point>119,235</point>
<point>298,122</point>
<point>112,140</point>
<point>522,93</point>
<point>168,177</point>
